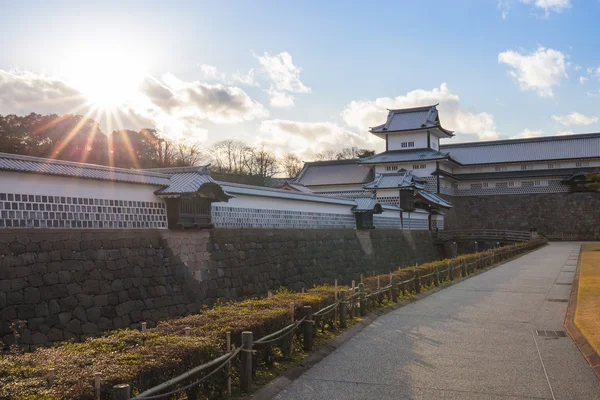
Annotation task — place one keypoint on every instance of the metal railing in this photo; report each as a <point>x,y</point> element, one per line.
<point>338,312</point>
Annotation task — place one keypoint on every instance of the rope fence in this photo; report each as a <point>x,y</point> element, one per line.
<point>349,302</point>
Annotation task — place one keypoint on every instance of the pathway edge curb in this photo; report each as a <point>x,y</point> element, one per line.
<point>586,349</point>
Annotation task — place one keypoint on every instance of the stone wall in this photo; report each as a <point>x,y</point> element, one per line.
<point>559,216</point>
<point>73,284</point>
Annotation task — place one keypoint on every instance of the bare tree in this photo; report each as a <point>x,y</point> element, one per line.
<point>262,161</point>
<point>329,154</point>
<point>230,156</point>
<point>291,165</point>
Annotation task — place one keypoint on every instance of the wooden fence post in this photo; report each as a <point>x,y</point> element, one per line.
<point>353,313</point>
<point>246,366</point>
<point>362,301</point>
<point>464,268</point>
<point>450,271</point>
<point>417,282</point>
<point>97,378</point>
<point>436,277</point>
<point>51,374</point>
<point>228,369</point>
<point>394,289</point>
<point>343,309</point>
<point>121,392</point>
<point>307,326</point>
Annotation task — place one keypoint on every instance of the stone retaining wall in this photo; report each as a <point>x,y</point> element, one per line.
<point>557,216</point>
<point>75,284</point>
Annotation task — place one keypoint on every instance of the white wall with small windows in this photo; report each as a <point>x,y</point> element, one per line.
<point>417,168</point>
<point>407,141</point>
<point>29,200</point>
<point>527,166</point>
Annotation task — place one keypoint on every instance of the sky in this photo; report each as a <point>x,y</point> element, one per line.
<point>306,76</point>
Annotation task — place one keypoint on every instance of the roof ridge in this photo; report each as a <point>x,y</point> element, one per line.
<point>48,161</point>
<point>521,140</point>
<point>403,110</point>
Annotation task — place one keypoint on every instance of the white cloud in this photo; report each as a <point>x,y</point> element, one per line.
<point>528,133</point>
<point>280,99</point>
<point>23,92</point>
<point>213,74</point>
<point>546,6</point>
<point>557,6</point>
<point>538,71</point>
<point>310,138</point>
<point>565,133</point>
<point>574,118</point>
<point>284,76</point>
<point>582,79</point>
<point>468,124</point>
<point>216,103</point>
<point>577,68</point>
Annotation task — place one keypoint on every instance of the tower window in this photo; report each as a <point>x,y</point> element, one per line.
<point>405,145</point>
<point>391,168</point>
<point>419,166</point>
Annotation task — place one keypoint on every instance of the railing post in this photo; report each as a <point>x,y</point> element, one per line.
<point>228,368</point>
<point>464,268</point>
<point>121,392</point>
<point>436,277</point>
<point>394,289</point>
<point>307,326</point>
<point>417,282</point>
<point>343,309</point>
<point>450,271</point>
<point>246,366</point>
<point>362,299</point>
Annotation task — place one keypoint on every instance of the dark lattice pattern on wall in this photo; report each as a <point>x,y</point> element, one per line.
<point>238,217</point>
<point>39,211</point>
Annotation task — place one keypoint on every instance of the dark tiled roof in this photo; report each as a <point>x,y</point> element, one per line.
<point>410,119</point>
<point>404,156</point>
<point>434,198</point>
<point>402,179</point>
<point>523,150</point>
<point>19,163</point>
<point>189,182</point>
<point>338,172</point>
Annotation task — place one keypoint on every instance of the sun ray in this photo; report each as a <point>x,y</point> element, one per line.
<point>61,145</point>
<point>91,138</point>
<point>125,138</point>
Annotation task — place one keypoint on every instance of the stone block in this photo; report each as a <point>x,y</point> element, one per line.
<point>41,310</point>
<point>80,314</point>
<point>51,278</point>
<point>89,328</point>
<point>74,326</point>
<point>25,311</point>
<point>53,307</point>
<point>14,298</point>
<point>73,289</point>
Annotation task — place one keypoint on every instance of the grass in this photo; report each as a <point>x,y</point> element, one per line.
<point>587,313</point>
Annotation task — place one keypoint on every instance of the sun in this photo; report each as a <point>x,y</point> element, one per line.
<point>107,77</point>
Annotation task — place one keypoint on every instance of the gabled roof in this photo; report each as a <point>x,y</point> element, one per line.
<point>401,179</point>
<point>526,150</point>
<point>336,172</point>
<point>397,156</point>
<point>411,119</point>
<point>367,204</point>
<point>19,163</point>
<point>294,186</point>
<point>433,199</point>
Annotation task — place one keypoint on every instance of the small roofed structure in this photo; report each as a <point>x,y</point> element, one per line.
<point>366,206</point>
<point>402,179</point>
<point>189,195</point>
<point>334,177</point>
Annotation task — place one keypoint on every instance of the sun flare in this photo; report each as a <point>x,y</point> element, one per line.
<point>106,77</point>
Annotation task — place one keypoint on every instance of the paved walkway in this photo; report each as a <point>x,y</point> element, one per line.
<point>474,340</point>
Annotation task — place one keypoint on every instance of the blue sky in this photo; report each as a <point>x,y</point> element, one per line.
<point>306,76</point>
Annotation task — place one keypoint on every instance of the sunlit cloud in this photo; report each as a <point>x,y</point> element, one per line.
<point>469,124</point>
<point>574,118</point>
<point>537,71</point>
<point>284,76</point>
